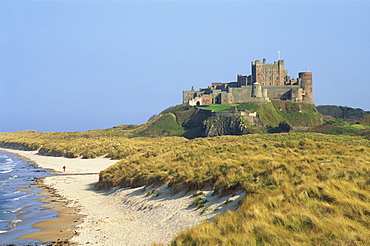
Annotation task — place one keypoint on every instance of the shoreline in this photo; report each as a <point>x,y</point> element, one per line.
<point>62,228</point>
<point>119,216</point>
<point>67,218</point>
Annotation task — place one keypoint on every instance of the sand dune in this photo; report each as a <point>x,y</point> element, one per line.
<point>139,216</point>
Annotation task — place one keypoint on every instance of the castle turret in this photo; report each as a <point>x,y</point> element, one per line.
<point>257,90</point>
<point>305,82</point>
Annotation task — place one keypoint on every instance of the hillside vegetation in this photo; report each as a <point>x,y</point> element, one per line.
<point>274,112</point>
<point>273,117</point>
<point>344,127</point>
<point>366,120</point>
<point>295,114</point>
<point>342,112</point>
<point>199,122</point>
<point>301,188</point>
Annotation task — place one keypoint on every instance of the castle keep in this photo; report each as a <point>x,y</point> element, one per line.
<point>267,81</point>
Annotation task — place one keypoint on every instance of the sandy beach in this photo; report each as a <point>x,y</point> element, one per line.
<point>121,216</point>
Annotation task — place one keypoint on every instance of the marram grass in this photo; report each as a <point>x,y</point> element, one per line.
<point>301,188</point>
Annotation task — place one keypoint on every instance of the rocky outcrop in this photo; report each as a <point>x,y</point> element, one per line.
<point>226,125</point>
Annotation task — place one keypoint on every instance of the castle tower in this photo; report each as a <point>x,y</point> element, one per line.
<point>305,82</point>
<point>268,74</point>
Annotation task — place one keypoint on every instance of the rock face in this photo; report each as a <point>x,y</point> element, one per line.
<point>225,125</point>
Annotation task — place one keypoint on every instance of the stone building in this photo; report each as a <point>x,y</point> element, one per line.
<point>267,81</point>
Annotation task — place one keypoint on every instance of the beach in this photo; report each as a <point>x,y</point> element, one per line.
<point>120,216</point>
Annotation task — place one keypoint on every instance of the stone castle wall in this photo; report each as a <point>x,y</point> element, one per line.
<point>268,81</point>
<point>240,94</point>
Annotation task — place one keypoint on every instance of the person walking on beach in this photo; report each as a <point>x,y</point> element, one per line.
<point>64,168</point>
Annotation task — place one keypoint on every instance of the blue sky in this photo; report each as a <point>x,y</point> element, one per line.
<point>86,64</point>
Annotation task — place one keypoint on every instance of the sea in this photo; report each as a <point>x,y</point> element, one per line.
<point>19,204</point>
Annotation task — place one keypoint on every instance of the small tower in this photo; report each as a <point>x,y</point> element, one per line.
<point>257,90</point>
<point>305,82</point>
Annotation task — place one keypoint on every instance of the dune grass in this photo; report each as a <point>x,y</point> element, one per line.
<point>301,188</point>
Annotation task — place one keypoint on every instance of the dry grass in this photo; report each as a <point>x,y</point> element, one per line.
<point>301,188</point>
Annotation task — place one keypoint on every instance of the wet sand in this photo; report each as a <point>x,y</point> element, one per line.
<point>63,227</point>
<point>60,229</point>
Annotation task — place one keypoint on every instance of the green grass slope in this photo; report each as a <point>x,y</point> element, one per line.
<point>344,127</point>
<point>192,120</point>
<point>162,125</point>
<point>295,114</point>
<point>219,107</point>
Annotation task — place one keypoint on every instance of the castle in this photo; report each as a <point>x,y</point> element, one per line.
<point>267,81</point>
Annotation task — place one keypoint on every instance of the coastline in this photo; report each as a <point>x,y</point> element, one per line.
<point>61,229</point>
<point>120,216</point>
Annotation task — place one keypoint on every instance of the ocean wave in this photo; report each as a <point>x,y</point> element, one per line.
<point>4,181</point>
<point>20,197</point>
<point>5,159</point>
<point>6,168</point>
<point>12,211</point>
<point>12,177</point>
<point>16,203</point>
<point>14,222</point>
<point>6,171</point>
<point>12,225</point>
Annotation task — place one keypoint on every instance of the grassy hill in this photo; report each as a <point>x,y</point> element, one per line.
<point>189,122</point>
<point>341,112</point>
<point>270,115</point>
<point>295,114</point>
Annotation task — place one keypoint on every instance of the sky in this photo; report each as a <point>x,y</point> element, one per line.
<point>77,65</point>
